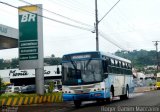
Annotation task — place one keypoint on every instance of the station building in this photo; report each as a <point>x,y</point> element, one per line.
<point>27,77</point>
<point>8,37</point>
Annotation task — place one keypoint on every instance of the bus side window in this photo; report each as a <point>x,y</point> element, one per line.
<point>116,66</point>
<point>105,68</point>
<point>109,61</point>
<point>112,62</point>
<point>121,64</point>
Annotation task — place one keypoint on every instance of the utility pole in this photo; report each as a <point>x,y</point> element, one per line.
<point>96,26</point>
<point>156,44</point>
<point>98,21</point>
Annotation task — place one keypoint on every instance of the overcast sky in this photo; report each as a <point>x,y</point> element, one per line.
<point>132,25</point>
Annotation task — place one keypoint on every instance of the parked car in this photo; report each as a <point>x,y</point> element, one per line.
<point>56,90</point>
<point>17,89</point>
<point>13,89</point>
<point>28,89</point>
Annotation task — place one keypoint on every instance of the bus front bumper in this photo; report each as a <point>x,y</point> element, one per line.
<point>85,96</point>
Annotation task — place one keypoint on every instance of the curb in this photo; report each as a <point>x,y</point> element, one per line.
<point>27,100</point>
<point>144,89</point>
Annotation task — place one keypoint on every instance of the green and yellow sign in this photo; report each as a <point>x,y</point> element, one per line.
<point>30,34</point>
<point>28,38</point>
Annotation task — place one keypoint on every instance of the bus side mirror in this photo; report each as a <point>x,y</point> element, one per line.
<point>58,71</point>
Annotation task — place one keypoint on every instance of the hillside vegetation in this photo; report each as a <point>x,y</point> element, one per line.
<point>139,58</point>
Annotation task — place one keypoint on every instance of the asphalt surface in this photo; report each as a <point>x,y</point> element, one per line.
<point>148,101</point>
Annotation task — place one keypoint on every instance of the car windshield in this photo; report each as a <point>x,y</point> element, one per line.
<point>9,87</point>
<point>16,88</point>
<point>81,72</point>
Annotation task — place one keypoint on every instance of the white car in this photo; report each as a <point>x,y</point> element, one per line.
<point>55,90</point>
<point>13,89</point>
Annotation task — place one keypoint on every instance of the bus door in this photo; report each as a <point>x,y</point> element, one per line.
<point>118,84</point>
<point>119,79</point>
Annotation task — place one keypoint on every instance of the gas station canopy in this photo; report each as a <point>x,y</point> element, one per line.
<point>8,37</point>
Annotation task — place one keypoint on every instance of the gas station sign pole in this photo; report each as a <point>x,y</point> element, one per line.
<point>31,42</point>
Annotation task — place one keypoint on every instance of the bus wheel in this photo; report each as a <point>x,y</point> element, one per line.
<point>77,103</point>
<point>126,96</point>
<point>127,93</point>
<point>110,99</point>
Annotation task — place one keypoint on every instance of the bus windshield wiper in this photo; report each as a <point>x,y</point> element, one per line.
<point>74,64</point>
<point>88,63</point>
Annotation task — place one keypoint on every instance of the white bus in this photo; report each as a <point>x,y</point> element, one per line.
<point>95,76</point>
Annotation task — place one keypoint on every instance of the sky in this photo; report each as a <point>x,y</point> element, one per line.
<point>131,25</point>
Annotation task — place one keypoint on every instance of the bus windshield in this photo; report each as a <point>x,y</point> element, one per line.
<point>81,72</point>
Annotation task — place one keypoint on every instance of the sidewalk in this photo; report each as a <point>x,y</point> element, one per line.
<point>144,89</point>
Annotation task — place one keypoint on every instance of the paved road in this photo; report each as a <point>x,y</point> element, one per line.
<point>151,98</point>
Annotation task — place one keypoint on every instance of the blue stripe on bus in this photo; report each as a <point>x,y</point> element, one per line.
<point>86,96</point>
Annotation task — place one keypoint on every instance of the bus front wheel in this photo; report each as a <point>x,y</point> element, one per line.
<point>77,103</point>
<point>110,99</point>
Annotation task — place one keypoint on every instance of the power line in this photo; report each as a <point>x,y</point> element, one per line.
<point>97,23</point>
<point>77,2</point>
<point>108,11</point>
<point>74,6</point>
<point>83,6</point>
<point>103,36</point>
<point>79,22</point>
<point>68,24</point>
<point>121,15</point>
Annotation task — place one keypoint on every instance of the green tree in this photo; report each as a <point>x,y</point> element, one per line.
<point>2,86</point>
<point>51,87</point>
<point>53,60</point>
<point>14,63</point>
<point>139,58</point>
<point>1,64</point>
